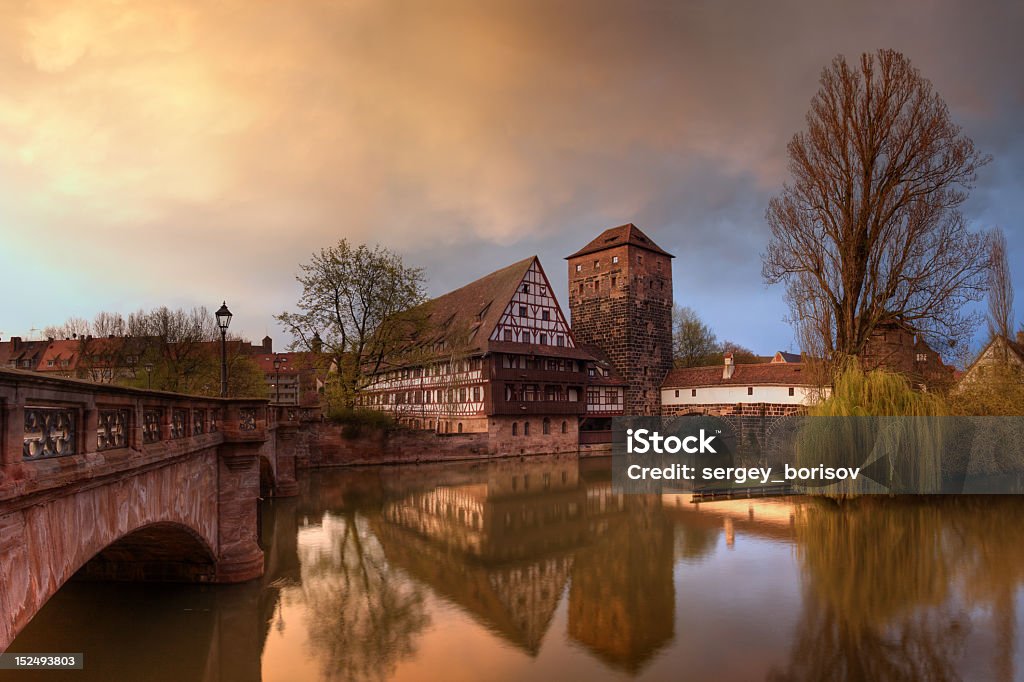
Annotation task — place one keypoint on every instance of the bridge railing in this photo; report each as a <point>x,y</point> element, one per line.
<point>54,431</point>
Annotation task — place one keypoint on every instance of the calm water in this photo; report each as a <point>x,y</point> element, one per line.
<point>536,570</point>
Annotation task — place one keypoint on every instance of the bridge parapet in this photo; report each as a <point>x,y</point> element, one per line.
<point>119,483</point>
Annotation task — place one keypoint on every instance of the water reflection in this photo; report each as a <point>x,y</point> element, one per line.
<point>539,569</point>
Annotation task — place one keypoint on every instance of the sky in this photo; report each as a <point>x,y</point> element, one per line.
<point>184,153</point>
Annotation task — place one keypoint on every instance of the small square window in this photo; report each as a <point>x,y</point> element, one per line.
<point>615,259</point>
<point>545,315</point>
<point>693,393</point>
<point>508,335</point>
<point>792,391</point>
<point>579,268</point>
<point>522,311</point>
<point>677,393</point>
<point>750,390</point>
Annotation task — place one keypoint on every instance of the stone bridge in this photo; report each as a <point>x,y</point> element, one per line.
<point>105,482</point>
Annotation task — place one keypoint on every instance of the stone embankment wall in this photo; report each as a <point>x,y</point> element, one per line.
<point>320,444</point>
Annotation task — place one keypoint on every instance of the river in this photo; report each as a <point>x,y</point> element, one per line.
<point>537,570</point>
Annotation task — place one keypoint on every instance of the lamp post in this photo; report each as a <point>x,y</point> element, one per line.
<point>223,321</point>
<point>277,378</point>
<point>149,374</point>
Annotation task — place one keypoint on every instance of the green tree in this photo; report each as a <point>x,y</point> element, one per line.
<point>869,229</point>
<point>352,310</point>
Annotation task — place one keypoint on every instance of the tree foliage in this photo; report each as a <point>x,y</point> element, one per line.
<point>351,310</point>
<point>869,228</point>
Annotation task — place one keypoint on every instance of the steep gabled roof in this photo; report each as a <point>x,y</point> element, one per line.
<point>619,236</point>
<point>475,307</point>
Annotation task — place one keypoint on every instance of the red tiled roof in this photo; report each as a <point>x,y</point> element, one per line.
<point>759,374</point>
<point>619,236</point>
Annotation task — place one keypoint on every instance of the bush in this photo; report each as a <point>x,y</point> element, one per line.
<point>356,422</point>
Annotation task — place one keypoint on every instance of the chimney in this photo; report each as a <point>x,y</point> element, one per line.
<point>729,367</point>
<point>268,345</point>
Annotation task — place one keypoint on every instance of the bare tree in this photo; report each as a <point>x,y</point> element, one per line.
<point>693,342</point>
<point>73,328</point>
<point>1000,287</point>
<point>869,229</point>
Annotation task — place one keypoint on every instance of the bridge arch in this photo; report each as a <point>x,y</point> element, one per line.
<point>158,552</point>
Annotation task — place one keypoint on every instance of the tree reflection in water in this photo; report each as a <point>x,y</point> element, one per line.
<point>363,616</point>
<point>889,584</point>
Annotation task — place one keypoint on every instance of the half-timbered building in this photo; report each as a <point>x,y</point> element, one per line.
<point>497,356</point>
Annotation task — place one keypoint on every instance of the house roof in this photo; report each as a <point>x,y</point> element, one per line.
<point>475,307</point>
<point>755,374</point>
<point>1015,347</point>
<point>602,360</point>
<point>628,234</point>
<point>783,356</point>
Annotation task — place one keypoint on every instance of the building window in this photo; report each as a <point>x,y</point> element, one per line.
<point>515,429</point>
<point>543,339</point>
<point>921,357</point>
<point>613,281</point>
<point>693,393</point>
<point>579,268</point>
<point>508,335</point>
<point>677,393</point>
<point>526,288</point>
<point>565,426</point>
<point>597,265</point>
<point>750,390</point>
<point>615,259</point>
<point>522,311</point>
<point>460,427</point>
<point>792,391</point>
<point>545,315</point>
<point>639,258</point>
<point>546,426</point>
<point>526,428</point>
<point>581,288</point>
<point>559,340</point>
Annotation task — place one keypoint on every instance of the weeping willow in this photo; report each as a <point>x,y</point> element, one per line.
<point>888,429</point>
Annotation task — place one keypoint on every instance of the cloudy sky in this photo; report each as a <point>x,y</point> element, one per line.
<point>181,153</point>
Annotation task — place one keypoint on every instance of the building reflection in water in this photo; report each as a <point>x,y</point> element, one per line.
<point>547,557</point>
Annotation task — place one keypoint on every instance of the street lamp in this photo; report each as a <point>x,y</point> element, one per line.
<point>149,374</point>
<point>223,321</point>
<point>277,378</point>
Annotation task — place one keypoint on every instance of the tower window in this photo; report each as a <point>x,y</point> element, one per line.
<point>597,265</point>
<point>613,281</point>
<point>581,287</point>
<point>579,268</point>
<point>615,259</point>
<point>639,258</point>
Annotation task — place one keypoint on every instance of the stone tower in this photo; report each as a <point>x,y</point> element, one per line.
<point>620,297</point>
